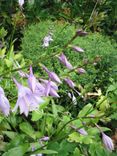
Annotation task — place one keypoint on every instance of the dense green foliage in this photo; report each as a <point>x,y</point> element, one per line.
<point>99,58</point>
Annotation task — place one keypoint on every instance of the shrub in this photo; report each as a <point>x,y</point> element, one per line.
<point>99,50</point>
<point>93,44</point>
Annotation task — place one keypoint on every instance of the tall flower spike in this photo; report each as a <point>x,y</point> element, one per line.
<point>69,82</point>
<point>32,80</point>
<point>108,143</point>
<point>27,101</point>
<point>64,61</point>
<point>77,49</point>
<point>4,103</point>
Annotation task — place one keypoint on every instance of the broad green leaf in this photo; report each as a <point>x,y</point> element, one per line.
<point>18,56</point>
<point>36,115</point>
<point>44,105</point>
<point>77,152</point>
<point>28,129</point>
<point>2,145</point>
<point>17,141</point>
<point>103,103</point>
<point>86,110</point>
<point>2,52</point>
<point>46,152</point>
<point>10,134</point>
<point>8,63</point>
<point>17,151</point>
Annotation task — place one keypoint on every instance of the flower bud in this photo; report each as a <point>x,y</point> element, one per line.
<point>80,32</point>
<point>108,143</point>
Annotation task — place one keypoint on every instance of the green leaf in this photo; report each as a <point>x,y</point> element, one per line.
<point>17,151</point>
<point>86,110</point>
<point>44,105</point>
<point>77,152</point>
<point>36,115</point>
<point>10,134</point>
<point>46,152</point>
<point>8,63</point>
<point>2,52</point>
<point>28,129</point>
<point>103,103</point>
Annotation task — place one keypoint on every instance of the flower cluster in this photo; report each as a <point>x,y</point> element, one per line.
<point>29,98</point>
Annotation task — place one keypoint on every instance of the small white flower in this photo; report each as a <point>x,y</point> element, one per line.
<point>21,2</point>
<point>47,40</point>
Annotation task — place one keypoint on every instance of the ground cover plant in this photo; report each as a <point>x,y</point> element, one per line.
<point>58,94</point>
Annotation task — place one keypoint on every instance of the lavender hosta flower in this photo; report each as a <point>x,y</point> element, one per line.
<point>81,32</point>
<point>82,131</point>
<point>47,88</point>
<point>4,103</point>
<point>53,84</point>
<point>77,49</point>
<point>45,138</point>
<point>21,2</point>
<point>32,80</point>
<point>27,101</point>
<point>23,74</point>
<point>81,71</point>
<point>69,82</point>
<point>54,93</point>
<point>53,76</point>
<point>64,61</point>
<point>107,141</point>
<point>50,88</point>
<point>40,89</point>
<point>20,72</point>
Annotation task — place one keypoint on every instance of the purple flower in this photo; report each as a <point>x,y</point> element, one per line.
<point>47,88</point>
<point>27,100</point>
<point>23,74</point>
<point>40,89</point>
<point>53,76</point>
<point>53,84</point>
<point>54,93</point>
<point>82,131</point>
<point>81,71</point>
<point>4,103</point>
<point>44,138</point>
<point>80,32</point>
<point>69,82</point>
<point>64,61</point>
<point>32,80</point>
<point>108,143</point>
<point>77,49</point>
<point>50,88</point>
